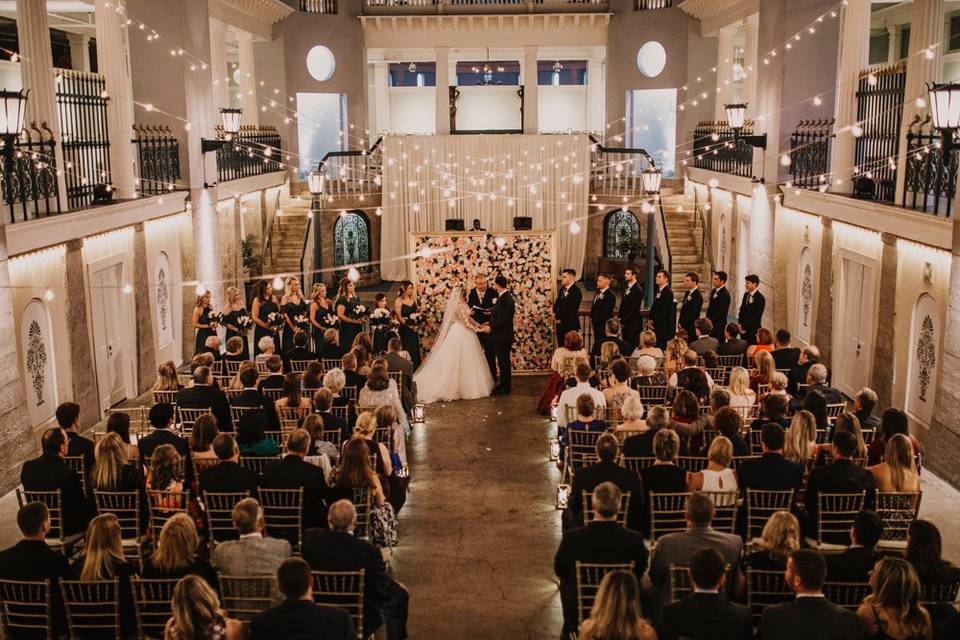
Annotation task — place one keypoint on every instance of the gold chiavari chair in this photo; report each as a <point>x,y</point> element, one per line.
<point>245,596</point>
<point>79,465</point>
<point>125,505</point>
<point>344,590</point>
<point>151,603</point>
<point>283,514</point>
<point>898,511</point>
<point>329,363</point>
<point>635,464</point>
<point>766,588</point>
<point>257,463</point>
<point>363,504</point>
<point>350,393</point>
<point>589,577</point>
<point>835,515</point>
<point>760,505</point>
<point>849,595</point>
<point>292,417</point>
<point>56,537</point>
<point>299,366</point>
<point>162,505</point>
<point>164,397</point>
<point>219,510</point>
<point>93,607</point>
<point>187,416</point>
<point>26,609</point>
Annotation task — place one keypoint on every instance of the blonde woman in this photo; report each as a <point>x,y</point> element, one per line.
<point>616,611</point>
<point>717,475</point>
<point>202,323</point>
<point>801,441</point>
<point>893,610</point>
<point>898,471</point>
<point>648,346</point>
<point>632,414</point>
<point>741,395</point>
<point>103,560</point>
<point>609,351</point>
<point>320,308</point>
<point>176,554</point>
<point>850,423</point>
<point>197,614</point>
<point>167,379</point>
<point>779,539</point>
<point>778,384</point>
<point>293,305</point>
<point>235,383</point>
<point>111,471</point>
<point>673,357</point>
<point>334,381</point>
<point>765,367</point>
<point>232,312</point>
<point>365,429</point>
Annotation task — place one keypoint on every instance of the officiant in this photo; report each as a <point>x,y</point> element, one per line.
<point>481,300</point>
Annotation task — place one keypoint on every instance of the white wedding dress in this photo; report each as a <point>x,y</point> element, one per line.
<point>456,368</point>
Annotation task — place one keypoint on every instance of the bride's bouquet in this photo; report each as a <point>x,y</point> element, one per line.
<point>358,312</point>
<point>380,319</point>
<point>215,317</point>
<point>244,322</point>
<point>275,319</point>
<point>302,321</point>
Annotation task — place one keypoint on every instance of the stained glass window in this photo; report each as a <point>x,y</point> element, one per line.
<point>351,239</point>
<point>619,226</point>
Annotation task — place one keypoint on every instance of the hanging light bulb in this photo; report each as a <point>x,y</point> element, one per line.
<point>557,67</point>
<point>128,288</point>
<point>574,227</point>
<point>353,274</point>
<point>379,211</point>
<point>426,252</point>
<point>200,289</point>
<point>48,295</point>
<point>277,283</point>
<point>785,160</point>
<point>500,242</point>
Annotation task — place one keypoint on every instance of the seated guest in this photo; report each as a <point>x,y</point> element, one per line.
<point>361,350</point>
<point>705,614</point>
<point>252,435</point>
<point>161,419</point>
<point>293,472</point>
<point>691,377</point>
<point>784,356</point>
<point>648,347</point>
<point>924,552</point>
<point>236,384</point>
<point>203,395</point>
<point>49,472</point>
<point>863,405</point>
<point>68,417</point>
<point>673,356</point>
<point>606,470</point>
<point>397,362</point>
<point>684,413</point>
<point>809,356</point>
<point>166,472</point>
<point>297,612</point>
<point>616,610</point>
<point>847,422</point>
<point>322,402</point>
<point>312,377</point>
<point>893,422</point>
<point>765,342</point>
<point>348,364</point>
<point>815,403</point>
<point>274,377</point>
<point>569,397</point>
<point>330,349</point>
<point>609,351</point>
<point>779,539</point>
<point>601,541</point>
<point>355,472</point>
<point>817,381</point>
<point>717,476</point>
<point>841,476</point>
<point>856,562</point>
<point>898,471</point>
<point>894,610</point>
<point>618,392</point>
<point>268,348</point>
<point>176,553</point>
<point>378,390</point>
<point>810,616</point>
<point>631,414</point>
<point>773,408</point>
<point>228,476</point>
<point>647,373</point>
<point>251,396</point>
<point>732,344</point>
<point>103,559</point>
<point>704,342</point>
<point>730,425</point>
<point>663,476</point>
<point>611,333</point>
<point>119,423</point>
<point>212,346</point>
<point>197,614</point>
<point>584,422</point>
<point>678,548</point>
<point>741,395</point>
<point>112,471</point>
<point>565,355</point>
<point>292,393</point>
<point>254,554</point>
<point>385,418</point>
<point>641,444</point>
<point>778,385</point>
<point>202,359</point>
<point>300,351</point>
<point>764,369</point>
<point>235,351</point>
<point>771,471</point>
<point>313,424</point>
<point>202,437</point>
<point>694,431</point>
<point>385,601</point>
<point>334,380</point>
<point>167,378</point>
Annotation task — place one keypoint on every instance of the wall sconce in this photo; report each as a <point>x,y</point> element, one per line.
<point>418,414</point>
<point>230,121</point>
<point>736,118</point>
<point>563,496</point>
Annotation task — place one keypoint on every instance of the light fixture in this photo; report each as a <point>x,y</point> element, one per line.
<point>736,119</point>
<point>277,283</point>
<point>13,105</point>
<point>418,414</point>
<point>651,178</point>
<point>412,67</point>
<point>553,418</point>
<point>554,449</point>
<point>230,121</point>
<point>315,182</point>
<point>353,274</point>
<point>557,67</point>
<point>563,496</point>
<point>945,110</point>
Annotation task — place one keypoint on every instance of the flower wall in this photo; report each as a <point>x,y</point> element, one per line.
<point>526,260</point>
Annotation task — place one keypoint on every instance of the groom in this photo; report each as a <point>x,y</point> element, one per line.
<point>500,330</point>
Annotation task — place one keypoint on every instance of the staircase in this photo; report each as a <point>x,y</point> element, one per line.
<point>286,241</point>
<point>684,236</point>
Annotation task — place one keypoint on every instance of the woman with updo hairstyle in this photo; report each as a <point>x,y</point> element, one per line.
<point>167,379</point>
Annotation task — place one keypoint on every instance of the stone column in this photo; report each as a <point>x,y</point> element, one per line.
<point>854,56</point>
<point>381,98</point>
<point>79,51</point>
<point>248,79</point>
<point>531,115</point>
<point>595,95</point>
<point>893,43</point>
<point>218,64</point>
<point>113,63</point>
<point>82,362</point>
<point>443,90</point>
<point>724,93</point>
<point>823,332</point>
<point>146,344</point>
<point>751,27</point>
<point>926,33</point>
<point>883,353</point>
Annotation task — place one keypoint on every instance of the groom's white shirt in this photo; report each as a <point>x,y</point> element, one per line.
<point>569,399</point>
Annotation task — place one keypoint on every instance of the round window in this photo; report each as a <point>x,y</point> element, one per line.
<point>651,59</point>
<point>321,63</point>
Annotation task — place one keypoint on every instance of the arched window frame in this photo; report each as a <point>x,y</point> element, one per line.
<point>610,218</point>
<point>339,260</point>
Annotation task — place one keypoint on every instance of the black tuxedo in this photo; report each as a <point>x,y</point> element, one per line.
<point>229,477</point>
<point>690,311</point>
<point>355,379</point>
<point>501,335</point>
<point>326,550</point>
<point>604,302</point>
<point>798,375</point>
<point>204,395</point>
<point>158,437</point>
<point>272,381</point>
<point>566,310</point>
<point>598,542</point>
<point>705,616</point>
<point>302,620</point>
<point>49,473</point>
<point>770,472</point>
<point>842,476</point>
<point>853,565</point>
<point>786,357</point>
<point>297,353</point>
<point>631,323</point>
<point>733,347</point>
<point>810,619</point>
<point>587,480</point>
<point>718,310</point>
<point>330,351</point>
<point>663,314</point>
<point>751,315</point>
<point>34,560</point>
<point>77,445</point>
<point>253,398</point>
<point>293,472</point>
<point>481,307</point>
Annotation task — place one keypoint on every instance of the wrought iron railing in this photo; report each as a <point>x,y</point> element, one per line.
<point>879,108</point>
<point>32,190</point>
<point>649,5</point>
<point>810,153</point>
<point>82,106</point>
<point>255,151</point>
<point>158,159</point>
<point>318,6</point>
<point>930,184</point>
<point>715,149</point>
<point>615,171</point>
<point>356,172</point>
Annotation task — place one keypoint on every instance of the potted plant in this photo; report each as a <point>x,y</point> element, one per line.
<point>632,247</point>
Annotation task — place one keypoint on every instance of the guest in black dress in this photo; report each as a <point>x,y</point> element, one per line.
<point>663,476</point>
<point>264,303</point>
<point>232,312</point>
<point>382,329</point>
<point>103,560</point>
<point>176,554</point>
<point>347,303</point>
<point>320,308</point>
<point>201,322</point>
<point>779,539</point>
<point>406,305</point>
<point>292,304</point>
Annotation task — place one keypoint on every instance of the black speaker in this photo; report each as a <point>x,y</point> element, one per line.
<point>453,224</point>
<point>522,223</point>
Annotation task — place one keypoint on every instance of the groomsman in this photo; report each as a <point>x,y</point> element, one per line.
<point>663,313</point>
<point>604,302</point>
<point>566,308</point>
<point>691,305</point>
<point>719,306</point>
<point>751,309</point>
<point>481,300</point>
<point>630,321</point>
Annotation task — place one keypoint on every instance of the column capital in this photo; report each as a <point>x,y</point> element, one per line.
<point>826,222</point>
<point>888,239</point>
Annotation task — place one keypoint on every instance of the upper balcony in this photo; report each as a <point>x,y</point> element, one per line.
<point>458,7</point>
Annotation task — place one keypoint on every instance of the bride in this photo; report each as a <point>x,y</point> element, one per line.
<point>456,368</point>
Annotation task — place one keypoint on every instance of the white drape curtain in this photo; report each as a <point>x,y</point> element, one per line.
<point>428,179</point>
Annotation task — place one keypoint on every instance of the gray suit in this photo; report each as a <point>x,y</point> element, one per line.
<point>703,344</point>
<point>678,549</point>
<point>253,556</point>
<point>408,392</point>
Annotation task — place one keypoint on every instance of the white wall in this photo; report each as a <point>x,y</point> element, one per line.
<point>488,108</point>
<point>562,108</point>
<point>413,110</point>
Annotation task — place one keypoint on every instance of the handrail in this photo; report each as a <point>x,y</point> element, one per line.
<point>663,239</point>
<point>303,254</point>
<point>599,146</point>
<point>706,248</point>
<point>349,152</point>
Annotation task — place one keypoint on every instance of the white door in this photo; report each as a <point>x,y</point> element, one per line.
<point>107,312</point>
<point>856,318</point>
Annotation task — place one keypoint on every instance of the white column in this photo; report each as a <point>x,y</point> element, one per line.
<point>595,95</point>
<point>79,51</point>
<point>531,115</point>
<point>926,33</point>
<point>724,71</point>
<point>113,63</point>
<point>248,79</point>
<point>854,54</point>
<point>750,59</point>
<point>893,43</point>
<point>443,90</point>
<point>381,98</point>
<point>218,63</point>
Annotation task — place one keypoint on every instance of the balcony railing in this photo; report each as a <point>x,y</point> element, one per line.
<point>714,149</point>
<point>374,7</point>
<point>32,190</point>
<point>649,5</point>
<point>810,153</point>
<point>255,151</point>
<point>930,184</point>
<point>615,171</point>
<point>158,159</point>
<point>879,109</point>
<point>82,105</point>
<point>353,173</point>
<point>318,6</point>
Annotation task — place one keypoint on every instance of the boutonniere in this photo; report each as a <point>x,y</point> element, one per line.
<point>600,296</point>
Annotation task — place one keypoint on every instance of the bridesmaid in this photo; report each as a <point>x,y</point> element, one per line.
<point>293,304</point>
<point>383,332</point>
<point>347,301</point>
<point>264,303</point>
<point>201,322</point>
<point>235,309</point>
<point>404,306</point>
<point>319,306</point>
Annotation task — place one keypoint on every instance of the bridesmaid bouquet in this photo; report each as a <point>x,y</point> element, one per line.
<point>358,312</point>
<point>302,321</point>
<point>328,320</point>
<point>215,317</point>
<point>414,319</point>
<point>380,318</point>
<point>274,319</point>
<point>244,322</point>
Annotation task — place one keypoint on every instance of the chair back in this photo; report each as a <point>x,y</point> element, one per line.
<point>283,514</point>
<point>219,510</point>
<point>589,513</point>
<point>635,464</point>
<point>680,583</point>
<point>333,436</point>
<point>756,443</point>
<point>202,464</point>
<point>342,412</point>
<point>725,510</point>
<point>125,505</point>
<point>589,576</point>
<point>93,608</point>
<point>763,388</point>
<point>848,595</point>
<point>231,367</point>
<point>245,596</point>
<point>273,394</point>
<point>237,412</point>
<point>26,608</point>
<point>53,500</point>
<point>299,366</point>
<point>729,362</point>
<point>188,416</point>
<point>748,414</point>
<point>163,505</point>
<point>278,437</point>
<point>691,464</point>
<point>940,592</point>
<point>363,504</point>
<point>344,590</point>
<point>257,463</point>
<point>164,397</point>
<point>667,514</point>
<point>761,504</point>
<point>79,466</point>
<point>383,435</point>
<point>293,417</point>
<point>652,394</point>
<point>151,602</point>
<point>350,393</point>
<point>765,588</point>
<point>397,377</point>
<point>329,363</point>
<point>836,512</point>
<point>834,410</point>
<point>582,447</point>
<point>898,511</point>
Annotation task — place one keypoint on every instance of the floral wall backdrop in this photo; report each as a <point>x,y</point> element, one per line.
<point>526,260</point>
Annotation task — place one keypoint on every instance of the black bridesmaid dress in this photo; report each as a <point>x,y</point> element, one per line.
<point>409,337</point>
<point>231,318</point>
<point>317,333</point>
<point>266,308</point>
<point>348,330</point>
<point>292,310</point>
<point>203,334</point>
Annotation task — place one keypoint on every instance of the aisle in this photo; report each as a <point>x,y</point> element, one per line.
<point>479,532</point>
